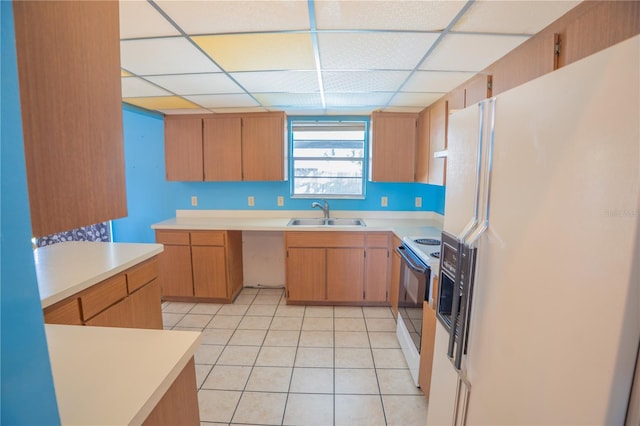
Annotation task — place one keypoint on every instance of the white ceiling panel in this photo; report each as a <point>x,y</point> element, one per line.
<point>363,81</point>
<point>134,87</point>
<point>218,17</point>
<point>221,101</point>
<point>139,19</point>
<point>387,15</point>
<point>197,84</point>
<point>377,50</point>
<point>468,52</point>
<point>184,111</point>
<point>336,100</point>
<point>237,110</point>
<point>279,81</point>
<point>404,99</point>
<point>357,110</point>
<point>436,81</point>
<point>311,100</point>
<point>163,56</point>
<point>402,109</point>
<point>515,17</point>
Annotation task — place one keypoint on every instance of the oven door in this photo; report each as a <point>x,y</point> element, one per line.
<point>413,291</point>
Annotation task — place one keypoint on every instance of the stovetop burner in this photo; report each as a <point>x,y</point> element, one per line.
<point>427,241</point>
<point>435,254</point>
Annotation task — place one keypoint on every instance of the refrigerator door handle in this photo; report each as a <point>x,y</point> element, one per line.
<point>455,306</point>
<point>473,222</point>
<point>487,186</point>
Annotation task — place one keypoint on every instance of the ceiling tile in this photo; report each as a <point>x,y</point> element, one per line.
<point>161,102</point>
<point>515,17</point>
<point>278,81</point>
<point>134,87</point>
<point>468,52</point>
<point>217,101</point>
<point>405,99</point>
<point>170,111</point>
<point>216,17</point>
<point>260,52</point>
<point>237,110</point>
<point>303,100</point>
<point>305,111</point>
<point>363,81</point>
<point>436,81</point>
<point>402,109</point>
<point>375,50</point>
<point>140,19</point>
<point>163,56</point>
<point>197,84</point>
<point>336,100</point>
<point>358,110</point>
<point>388,15</point>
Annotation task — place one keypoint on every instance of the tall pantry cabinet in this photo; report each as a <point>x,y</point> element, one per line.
<point>69,71</point>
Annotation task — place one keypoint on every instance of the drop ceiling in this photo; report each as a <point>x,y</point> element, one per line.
<point>314,57</point>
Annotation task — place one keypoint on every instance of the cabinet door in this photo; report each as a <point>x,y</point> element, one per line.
<point>209,272</point>
<point>306,269</point>
<point>222,148</point>
<point>393,146</point>
<point>422,148</point>
<point>376,274</point>
<point>263,147</point>
<point>118,315</point>
<point>345,274</point>
<point>146,307</point>
<point>175,271</point>
<point>69,77</point>
<point>394,285</point>
<point>438,122</point>
<point>183,149</point>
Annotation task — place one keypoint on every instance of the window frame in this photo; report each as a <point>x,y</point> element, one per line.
<point>365,119</point>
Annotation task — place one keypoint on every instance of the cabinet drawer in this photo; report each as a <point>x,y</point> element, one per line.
<point>180,238</point>
<point>324,239</point>
<point>207,238</point>
<point>65,312</point>
<point>140,275</point>
<point>378,239</point>
<point>103,295</point>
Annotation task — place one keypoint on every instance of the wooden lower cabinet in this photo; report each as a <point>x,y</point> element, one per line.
<point>345,274</point>
<point>179,405</point>
<point>200,265</point>
<point>306,271</point>
<point>130,299</point>
<point>337,267</point>
<point>426,348</point>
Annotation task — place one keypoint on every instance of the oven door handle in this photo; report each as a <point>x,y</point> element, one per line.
<point>410,261</point>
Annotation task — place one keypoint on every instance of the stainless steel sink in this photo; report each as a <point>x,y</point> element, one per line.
<point>326,222</point>
<point>306,222</point>
<point>345,222</point>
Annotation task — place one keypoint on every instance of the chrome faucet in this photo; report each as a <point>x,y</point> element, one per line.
<point>324,209</point>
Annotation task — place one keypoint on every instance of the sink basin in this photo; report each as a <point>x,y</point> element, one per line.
<point>345,222</point>
<point>306,222</point>
<point>326,222</point>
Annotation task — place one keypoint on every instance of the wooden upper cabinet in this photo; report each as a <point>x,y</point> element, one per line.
<point>438,120</point>
<point>71,112</point>
<point>477,89</point>
<point>393,147</point>
<point>225,147</point>
<point>183,148</point>
<point>263,147</point>
<point>222,148</point>
<point>422,147</point>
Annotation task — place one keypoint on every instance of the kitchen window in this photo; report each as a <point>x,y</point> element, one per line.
<point>328,156</point>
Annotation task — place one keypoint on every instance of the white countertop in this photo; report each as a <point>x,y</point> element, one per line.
<point>114,376</point>
<point>400,223</point>
<point>65,269</point>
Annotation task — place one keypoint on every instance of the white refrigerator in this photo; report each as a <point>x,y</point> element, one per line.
<point>552,169</point>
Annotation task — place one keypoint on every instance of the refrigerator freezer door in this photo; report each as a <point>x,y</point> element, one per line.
<point>555,322</point>
<point>444,379</point>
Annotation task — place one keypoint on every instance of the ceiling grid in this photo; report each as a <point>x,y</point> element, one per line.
<point>314,57</point>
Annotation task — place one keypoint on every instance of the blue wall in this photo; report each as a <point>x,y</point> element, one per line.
<point>28,396</point>
<point>152,199</point>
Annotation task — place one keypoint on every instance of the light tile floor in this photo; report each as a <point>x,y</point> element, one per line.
<point>263,362</point>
